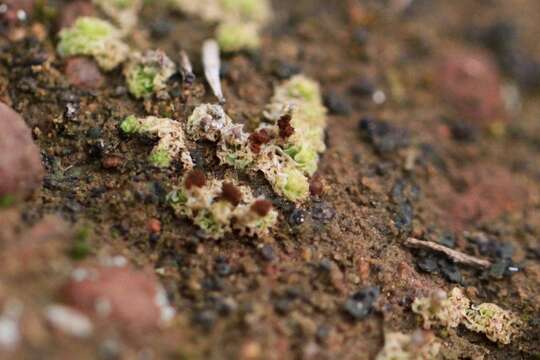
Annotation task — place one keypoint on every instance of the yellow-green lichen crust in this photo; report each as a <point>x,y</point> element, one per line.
<point>93,37</point>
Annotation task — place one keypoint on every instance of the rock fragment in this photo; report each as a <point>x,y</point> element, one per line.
<point>21,170</point>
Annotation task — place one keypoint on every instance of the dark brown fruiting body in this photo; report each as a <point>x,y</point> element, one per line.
<point>261,207</point>
<point>257,139</point>
<point>316,186</point>
<point>285,128</point>
<point>195,178</point>
<point>231,193</point>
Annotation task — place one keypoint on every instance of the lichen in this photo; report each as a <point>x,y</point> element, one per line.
<point>94,37</point>
<point>211,208</point>
<point>450,311</point>
<point>286,149</point>
<point>124,13</point>
<point>148,73</point>
<point>239,21</point>
<point>236,36</point>
<point>171,137</point>
<point>416,346</point>
<point>499,325</point>
<point>441,308</point>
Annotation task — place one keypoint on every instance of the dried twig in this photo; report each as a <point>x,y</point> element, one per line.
<point>455,255</point>
<point>212,64</point>
<point>186,69</point>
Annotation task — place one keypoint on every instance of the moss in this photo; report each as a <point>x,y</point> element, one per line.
<point>93,37</point>
<point>236,36</point>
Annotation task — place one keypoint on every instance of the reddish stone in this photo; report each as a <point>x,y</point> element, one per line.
<point>130,297</point>
<point>111,162</point>
<point>21,170</point>
<point>84,73</point>
<point>470,82</point>
<point>74,10</point>
<point>488,193</point>
<point>34,250</point>
<point>14,6</point>
<point>154,226</point>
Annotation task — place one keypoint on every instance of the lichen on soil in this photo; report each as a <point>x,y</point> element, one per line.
<point>431,133</point>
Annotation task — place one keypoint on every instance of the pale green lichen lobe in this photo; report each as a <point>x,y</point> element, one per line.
<point>94,37</point>
<point>171,139</point>
<point>497,324</point>
<point>148,73</point>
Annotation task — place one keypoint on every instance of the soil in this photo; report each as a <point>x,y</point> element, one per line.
<point>412,152</point>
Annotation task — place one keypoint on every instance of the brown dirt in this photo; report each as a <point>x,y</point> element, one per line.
<point>283,297</point>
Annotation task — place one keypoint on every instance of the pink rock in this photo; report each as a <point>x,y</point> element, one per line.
<point>84,73</point>
<point>469,81</point>
<point>21,170</point>
<point>130,297</point>
<point>489,192</point>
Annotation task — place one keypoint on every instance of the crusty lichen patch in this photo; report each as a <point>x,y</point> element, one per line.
<point>94,37</point>
<point>219,207</point>
<point>286,149</point>
<point>239,21</point>
<point>171,137</point>
<point>416,346</point>
<point>450,311</point>
<point>148,73</point>
<point>124,13</point>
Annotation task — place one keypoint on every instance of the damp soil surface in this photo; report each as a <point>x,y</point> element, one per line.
<point>433,133</point>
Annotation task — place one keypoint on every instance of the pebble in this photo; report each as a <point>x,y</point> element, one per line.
<point>297,217</point>
<point>337,104</point>
<point>115,291</point>
<point>268,253</point>
<point>362,87</point>
<point>21,170</point>
<point>360,304</point>
<point>385,137</point>
<point>284,70</point>
<point>154,226</point>
<point>322,212</point>
<point>112,161</point>
<point>470,83</point>
<point>83,73</point>
<point>69,321</point>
